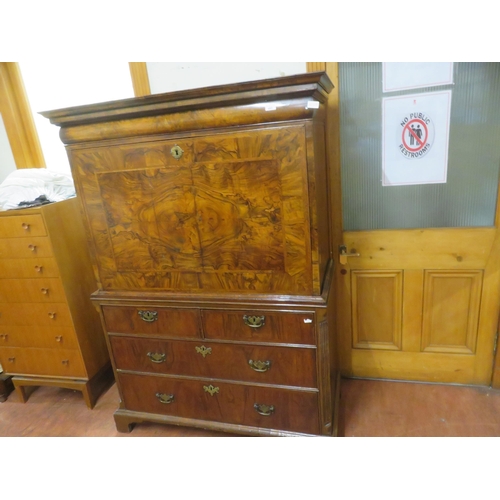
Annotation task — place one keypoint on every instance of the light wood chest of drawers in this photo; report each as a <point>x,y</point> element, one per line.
<point>208,220</point>
<point>50,333</point>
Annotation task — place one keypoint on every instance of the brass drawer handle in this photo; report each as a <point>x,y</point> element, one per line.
<point>25,226</point>
<point>265,410</point>
<point>38,269</point>
<point>259,366</point>
<point>58,338</point>
<point>32,248</point>
<point>148,316</point>
<point>166,399</point>
<point>52,315</point>
<point>157,357</point>
<point>211,389</point>
<point>204,351</point>
<point>254,321</point>
<point>45,291</point>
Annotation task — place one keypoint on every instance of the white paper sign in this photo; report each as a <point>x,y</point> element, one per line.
<point>415,135</point>
<point>405,76</point>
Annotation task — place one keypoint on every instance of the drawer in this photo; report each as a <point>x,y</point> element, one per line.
<point>158,321</point>
<point>32,290</point>
<point>292,410</point>
<point>20,226</point>
<point>25,248</point>
<point>29,268</point>
<point>49,362</point>
<point>26,314</point>
<point>259,326</point>
<point>292,366</point>
<point>52,337</point>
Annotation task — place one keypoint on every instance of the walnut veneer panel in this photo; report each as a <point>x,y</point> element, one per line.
<point>294,410</point>
<point>231,214</point>
<point>166,322</point>
<point>284,328</point>
<point>277,365</point>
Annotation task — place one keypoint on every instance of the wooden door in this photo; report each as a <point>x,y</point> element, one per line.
<point>422,303</point>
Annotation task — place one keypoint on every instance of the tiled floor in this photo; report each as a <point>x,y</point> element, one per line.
<point>369,408</point>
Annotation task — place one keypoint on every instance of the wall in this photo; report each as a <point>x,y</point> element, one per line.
<point>172,76</point>
<point>7,163</point>
<point>53,85</point>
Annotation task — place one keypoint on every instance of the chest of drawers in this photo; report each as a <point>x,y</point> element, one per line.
<point>208,222</point>
<point>50,333</point>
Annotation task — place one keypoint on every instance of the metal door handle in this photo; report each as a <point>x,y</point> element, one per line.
<point>343,255</point>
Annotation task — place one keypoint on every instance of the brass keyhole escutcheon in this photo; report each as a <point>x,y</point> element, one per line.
<point>204,351</point>
<point>211,389</point>
<point>176,152</point>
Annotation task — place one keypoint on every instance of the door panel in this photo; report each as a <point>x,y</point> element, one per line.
<point>451,311</point>
<point>373,326</point>
<point>440,293</point>
<point>420,302</point>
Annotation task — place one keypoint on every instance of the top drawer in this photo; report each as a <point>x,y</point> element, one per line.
<point>19,226</point>
<point>153,321</point>
<point>263,326</point>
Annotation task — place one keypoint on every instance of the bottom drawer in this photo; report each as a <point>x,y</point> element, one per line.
<point>49,362</point>
<point>266,407</point>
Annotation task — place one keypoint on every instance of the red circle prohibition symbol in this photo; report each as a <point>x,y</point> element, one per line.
<point>419,141</point>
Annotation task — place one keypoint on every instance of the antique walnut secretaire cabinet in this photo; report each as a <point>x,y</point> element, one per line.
<point>207,214</point>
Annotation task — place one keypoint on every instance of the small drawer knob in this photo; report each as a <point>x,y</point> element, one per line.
<point>58,338</point>
<point>4,336</point>
<point>52,315</point>
<point>45,291</point>
<point>38,269</point>
<point>32,248</point>
<point>11,360</point>
<point>65,361</point>
<point>25,226</point>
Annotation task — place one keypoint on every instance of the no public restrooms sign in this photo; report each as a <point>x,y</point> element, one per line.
<point>415,138</point>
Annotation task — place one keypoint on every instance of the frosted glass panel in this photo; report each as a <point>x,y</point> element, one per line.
<point>468,198</point>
